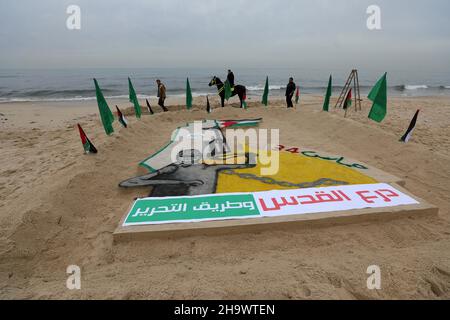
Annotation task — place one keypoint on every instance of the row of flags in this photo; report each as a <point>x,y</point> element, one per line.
<point>378,95</point>
<point>107,117</point>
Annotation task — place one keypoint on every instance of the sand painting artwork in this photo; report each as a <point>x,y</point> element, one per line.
<point>194,191</point>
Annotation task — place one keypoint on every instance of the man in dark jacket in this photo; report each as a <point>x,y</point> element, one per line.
<point>290,90</point>
<point>230,78</point>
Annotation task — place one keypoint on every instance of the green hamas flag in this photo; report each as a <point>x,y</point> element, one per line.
<point>378,95</point>
<point>326,103</point>
<point>227,90</point>
<point>265,97</point>
<point>134,99</point>
<point>188,94</point>
<point>105,113</point>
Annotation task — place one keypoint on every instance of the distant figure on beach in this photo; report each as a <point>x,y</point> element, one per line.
<point>161,94</point>
<point>230,78</point>
<point>290,90</point>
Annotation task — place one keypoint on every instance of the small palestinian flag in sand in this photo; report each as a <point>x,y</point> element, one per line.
<point>208,106</point>
<point>348,100</point>
<point>244,101</point>
<point>87,144</point>
<point>297,95</point>
<point>407,136</point>
<point>149,107</point>
<point>123,121</point>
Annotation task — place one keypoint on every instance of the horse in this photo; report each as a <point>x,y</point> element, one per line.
<point>239,90</point>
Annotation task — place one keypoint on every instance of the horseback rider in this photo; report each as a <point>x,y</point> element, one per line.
<point>239,90</point>
<point>230,78</point>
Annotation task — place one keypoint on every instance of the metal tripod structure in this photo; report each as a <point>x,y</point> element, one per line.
<point>353,77</point>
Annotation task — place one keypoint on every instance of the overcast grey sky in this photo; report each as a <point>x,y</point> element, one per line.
<point>210,33</point>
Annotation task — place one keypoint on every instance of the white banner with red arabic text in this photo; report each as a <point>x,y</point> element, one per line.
<point>327,199</point>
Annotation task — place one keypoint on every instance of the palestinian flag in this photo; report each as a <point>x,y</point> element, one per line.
<point>149,107</point>
<point>297,95</point>
<point>411,127</point>
<point>244,101</point>
<point>87,144</point>
<point>208,106</point>
<point>348,100</point>
<point>121,117</point>
<point>238,123</point>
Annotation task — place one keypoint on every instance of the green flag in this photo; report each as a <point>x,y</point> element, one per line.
<point>326,103</point>
<point>227,90</point>
<point>105,113</point>
<point>134,99</point>
<point>188,95</point>
<point>265,97</point>
<point>378,95</point>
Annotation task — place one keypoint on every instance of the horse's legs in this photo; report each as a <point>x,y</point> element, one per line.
<point>241,97</point>
<point>223,101</point>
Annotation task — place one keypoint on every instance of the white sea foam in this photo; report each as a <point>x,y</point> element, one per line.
<point>118,97</point>
<point>261,88</point>
<point>415,87</point>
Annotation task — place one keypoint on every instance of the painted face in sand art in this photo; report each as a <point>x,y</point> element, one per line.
<point>192,173</point>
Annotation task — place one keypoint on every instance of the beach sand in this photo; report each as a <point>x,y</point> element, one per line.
<point>59,207</point>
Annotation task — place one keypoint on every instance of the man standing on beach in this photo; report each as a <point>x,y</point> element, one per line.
<point>290,90</point>
<point>230,78</point>
<point>161,94</point>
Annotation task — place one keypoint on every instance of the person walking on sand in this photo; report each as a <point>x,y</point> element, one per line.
<point>230,78</point>
<point>290,90</point>
<point>161,94</point>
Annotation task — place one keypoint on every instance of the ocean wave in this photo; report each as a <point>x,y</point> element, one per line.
<point>30,94</point>
<point>90,98</point>
<point>261,88</point>
<point>413,87</point>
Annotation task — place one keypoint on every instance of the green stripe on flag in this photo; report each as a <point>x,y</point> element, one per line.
<point>106,115</point>
<point>134,99</point>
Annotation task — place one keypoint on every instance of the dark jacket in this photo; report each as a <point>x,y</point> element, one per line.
<point>230,79</point>
<point>290,89</point>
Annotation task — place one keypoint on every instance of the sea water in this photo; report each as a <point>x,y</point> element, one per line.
<point>77,85</point>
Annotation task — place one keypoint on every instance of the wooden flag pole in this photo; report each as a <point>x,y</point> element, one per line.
<point>344,91</point>
<point>353,77</point>
<point>357,93</point>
